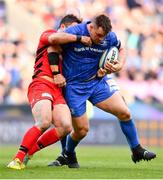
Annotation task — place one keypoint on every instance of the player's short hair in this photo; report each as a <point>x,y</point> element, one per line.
<point>69,19</point>
<point>104,22</point>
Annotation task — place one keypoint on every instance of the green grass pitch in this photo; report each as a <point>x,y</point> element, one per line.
<point>97,162</point>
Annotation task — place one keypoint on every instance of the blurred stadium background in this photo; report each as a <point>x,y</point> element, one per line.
<point>139,25</point>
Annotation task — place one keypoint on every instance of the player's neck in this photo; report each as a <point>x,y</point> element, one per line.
<point>88,27</point>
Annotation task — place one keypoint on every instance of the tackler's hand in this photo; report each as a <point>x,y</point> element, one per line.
<point>59,80</point>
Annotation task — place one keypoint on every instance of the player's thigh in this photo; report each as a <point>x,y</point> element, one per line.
<point>80,123</point>
<point>114,105</point>
<point>76,97</point>
<point>61,115</point>
<point>42,111</point>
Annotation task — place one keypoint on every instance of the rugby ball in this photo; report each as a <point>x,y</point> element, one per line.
<point>109,55</point>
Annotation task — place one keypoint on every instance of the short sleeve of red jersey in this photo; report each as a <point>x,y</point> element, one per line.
<point>45,35</point>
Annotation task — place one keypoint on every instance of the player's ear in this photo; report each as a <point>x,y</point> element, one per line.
<point>91,26</point>
<point>62,26</point>
<point>81,19</point>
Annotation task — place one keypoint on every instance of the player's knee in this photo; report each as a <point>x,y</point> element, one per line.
<point>83,132</point>
<point>44,124</point>
<point>125,115</point>
<point>67,128</point>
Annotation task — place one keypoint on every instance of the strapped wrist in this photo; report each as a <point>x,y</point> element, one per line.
<point>78,38</point>
<point>55,73</point>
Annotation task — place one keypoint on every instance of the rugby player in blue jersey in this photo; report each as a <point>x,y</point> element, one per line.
<point>80,66</point>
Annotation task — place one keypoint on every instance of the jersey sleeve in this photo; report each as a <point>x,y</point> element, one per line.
<point>71,30</point>
<point>44,36</point>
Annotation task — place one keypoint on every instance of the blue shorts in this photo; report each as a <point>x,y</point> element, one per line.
<point>95,91</point>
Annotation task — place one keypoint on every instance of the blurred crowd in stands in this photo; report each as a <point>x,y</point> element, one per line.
<point>138,23</point>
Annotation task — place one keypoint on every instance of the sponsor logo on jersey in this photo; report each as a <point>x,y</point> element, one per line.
<point>88,49</point>
<point>46,95</point>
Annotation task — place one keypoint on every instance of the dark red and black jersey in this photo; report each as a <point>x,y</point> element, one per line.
<point>42,67</point>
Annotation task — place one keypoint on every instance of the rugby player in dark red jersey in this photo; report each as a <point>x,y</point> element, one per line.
<point>45,94</point>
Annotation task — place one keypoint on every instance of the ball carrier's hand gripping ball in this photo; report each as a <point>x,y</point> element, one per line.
<point>109,55</point>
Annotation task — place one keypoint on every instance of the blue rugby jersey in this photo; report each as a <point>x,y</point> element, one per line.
<point>81,62</point>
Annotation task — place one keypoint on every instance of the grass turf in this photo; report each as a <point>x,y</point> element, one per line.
<point>97,162</point>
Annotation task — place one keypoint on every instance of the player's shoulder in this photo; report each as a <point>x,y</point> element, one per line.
<point>44,36</point>
<point>113,40</point>
<point>49,31</point>
<point>111,35</point>
<point>78,28</point>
